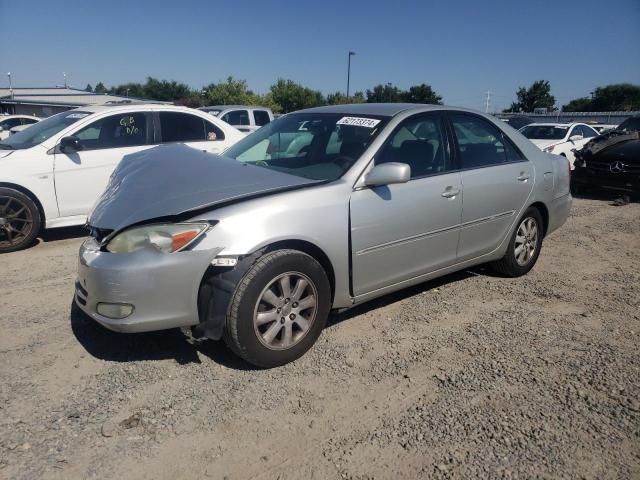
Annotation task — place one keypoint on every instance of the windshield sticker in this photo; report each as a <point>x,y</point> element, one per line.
<point>358,122</point>
<point>77,115</point>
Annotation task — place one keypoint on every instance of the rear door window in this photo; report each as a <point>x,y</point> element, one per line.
<point>261,117</point>
<point>481,144</point>
<point>182,127</point>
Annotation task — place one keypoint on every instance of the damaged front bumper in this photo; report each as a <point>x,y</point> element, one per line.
<point>152,290</point>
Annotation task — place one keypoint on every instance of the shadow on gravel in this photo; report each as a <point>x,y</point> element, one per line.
<point>63,233</point>
<point>336,318</point>
<point>162,345</point>
<point>175,344</point>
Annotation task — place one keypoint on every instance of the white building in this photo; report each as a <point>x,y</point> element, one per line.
<point>43,102</point>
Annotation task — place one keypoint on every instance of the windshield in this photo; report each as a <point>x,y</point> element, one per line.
<point>320,146</point>
<point>630,125</point>
<point>41,131</point>
<point>544,132</point>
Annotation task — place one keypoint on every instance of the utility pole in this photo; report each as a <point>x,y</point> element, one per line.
<point>487,101</point>
<point>349,71</point>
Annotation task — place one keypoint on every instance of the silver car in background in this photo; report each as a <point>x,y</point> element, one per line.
<point>319,210</point>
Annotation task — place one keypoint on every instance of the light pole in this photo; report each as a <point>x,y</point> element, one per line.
<point>349,71</point>
<point>64,74</point>
<point>10,85</point>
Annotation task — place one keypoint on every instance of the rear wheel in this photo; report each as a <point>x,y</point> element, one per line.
<point>524,246</point>
<point>19,220</point>
<point>278,309</point>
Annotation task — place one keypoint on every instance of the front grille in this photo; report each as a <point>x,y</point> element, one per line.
<point>606,167</point>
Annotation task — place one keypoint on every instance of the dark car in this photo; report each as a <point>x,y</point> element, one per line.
<point>610,162</point>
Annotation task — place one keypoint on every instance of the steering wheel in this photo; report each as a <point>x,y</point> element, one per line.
<point>262,163</point>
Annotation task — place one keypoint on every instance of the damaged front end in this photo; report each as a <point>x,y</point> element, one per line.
<point>152,262</point>
<point>216,292</point>
<point>609,162</point>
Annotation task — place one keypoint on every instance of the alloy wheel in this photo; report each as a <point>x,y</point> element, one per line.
<point>526,241</point>
<point>16,221</point>
<point>285,310</point>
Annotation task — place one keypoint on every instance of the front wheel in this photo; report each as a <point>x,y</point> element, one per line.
<point>524,246</point>
<point>19,220</point>
<point>279,309</point>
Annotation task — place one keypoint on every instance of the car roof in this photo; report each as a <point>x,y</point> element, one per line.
<point>131,107</point>
<point>227,107</point>
<point>382,109</point>
<point>555,124</point>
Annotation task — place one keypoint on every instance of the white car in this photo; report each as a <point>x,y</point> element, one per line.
<point>244,118</point>
<point>559,138</point>
<point>10,121</point>
<point>52,173</point>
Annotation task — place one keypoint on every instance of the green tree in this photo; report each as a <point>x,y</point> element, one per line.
<point>384,94</point>
<point>578,105</point>
<point>538,95</point>
<point>88,88</point>
<point>340,98</point>
<point>421,94</point>
<point>229,93</point>
<point>611,98</point>
<point>100,88</point>
<point>617,97</point>
<point>291,96</point>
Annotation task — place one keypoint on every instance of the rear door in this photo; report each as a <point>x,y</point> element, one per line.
<point>81,177</point>
<point>496,180</point>
<point>404,230</point>
<point>192,130</point>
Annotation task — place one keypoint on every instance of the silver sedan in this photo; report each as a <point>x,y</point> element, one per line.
<point>320,210</point>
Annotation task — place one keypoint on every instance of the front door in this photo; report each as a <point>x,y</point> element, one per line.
<point>81,177</point>
<point>497,180</point>
<point>404,230</point>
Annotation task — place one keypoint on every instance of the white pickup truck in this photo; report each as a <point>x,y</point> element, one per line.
<point>244,118</point>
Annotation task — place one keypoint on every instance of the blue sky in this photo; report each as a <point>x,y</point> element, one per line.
<point>461,48</point>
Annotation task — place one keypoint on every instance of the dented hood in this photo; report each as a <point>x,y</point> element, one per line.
<point>172,180</point>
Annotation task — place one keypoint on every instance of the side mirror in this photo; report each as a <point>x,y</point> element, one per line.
<point>70,144</point>
<point>387,174</point>
<point>575,138</point>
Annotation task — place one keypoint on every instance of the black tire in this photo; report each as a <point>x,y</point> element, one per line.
<point>242,336</point>
<point>508,265</point>
<point>20,220</point>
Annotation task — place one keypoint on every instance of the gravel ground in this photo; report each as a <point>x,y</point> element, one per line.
<point>468,376</point>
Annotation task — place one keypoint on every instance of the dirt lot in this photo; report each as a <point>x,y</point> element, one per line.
<point>468,376</point>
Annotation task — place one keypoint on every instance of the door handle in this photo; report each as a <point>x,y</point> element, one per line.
<point>523,177</point>
<point>450,192</point>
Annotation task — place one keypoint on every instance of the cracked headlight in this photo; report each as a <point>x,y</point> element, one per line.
<point>164,237</point>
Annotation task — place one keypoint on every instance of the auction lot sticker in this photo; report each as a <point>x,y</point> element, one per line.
<point>358,122</point>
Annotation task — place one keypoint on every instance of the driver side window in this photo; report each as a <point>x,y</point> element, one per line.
<point>421,143</point>
<point>115,131</point>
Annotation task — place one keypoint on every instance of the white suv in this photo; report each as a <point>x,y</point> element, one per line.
<point>52,173</point>
<point>8,122</point>
<point>559,138</point>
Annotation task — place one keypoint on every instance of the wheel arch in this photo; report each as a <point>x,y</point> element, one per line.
<point>544,213</point>
<point>29,194</point>
<point>312,250</point>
